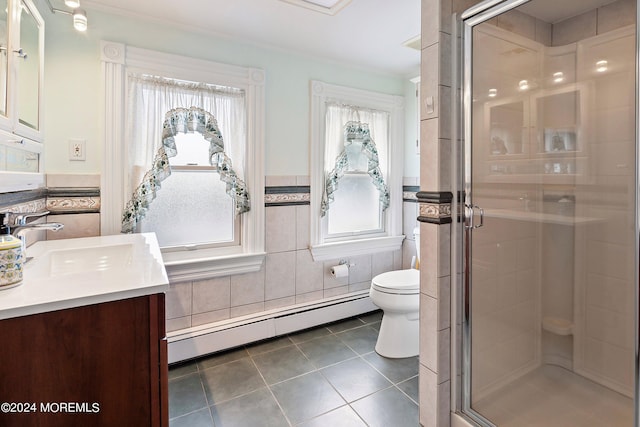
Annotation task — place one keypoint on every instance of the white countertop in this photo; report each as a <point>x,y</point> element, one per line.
<point>76,272</point>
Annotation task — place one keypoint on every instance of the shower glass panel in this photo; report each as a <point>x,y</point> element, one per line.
<point>550,165</point>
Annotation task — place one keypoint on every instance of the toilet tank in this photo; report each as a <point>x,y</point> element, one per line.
<point>416,236</point>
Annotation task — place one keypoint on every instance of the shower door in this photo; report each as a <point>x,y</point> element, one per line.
<point>550,213</point>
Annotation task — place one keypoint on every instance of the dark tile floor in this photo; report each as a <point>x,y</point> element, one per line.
<point>326,376</point>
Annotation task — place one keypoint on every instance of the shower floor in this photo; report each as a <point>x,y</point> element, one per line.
<point>552,396</point>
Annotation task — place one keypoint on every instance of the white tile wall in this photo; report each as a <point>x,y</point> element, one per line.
<point>210,295</point>
<point>518,23</point>
<point>75,225</point>
<point>281,228</point>
<point>309,274</point>
<point>280,275</point>
<point>504,300</point>
<point>289,275</point>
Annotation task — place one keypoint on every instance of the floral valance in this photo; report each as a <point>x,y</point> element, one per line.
<point>185,120</point>
<point>355,131</point>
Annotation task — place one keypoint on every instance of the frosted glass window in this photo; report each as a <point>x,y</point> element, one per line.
<point>192,208</point>
<point>356,207</point>
<point>356,171</point>
<point>356,210</point>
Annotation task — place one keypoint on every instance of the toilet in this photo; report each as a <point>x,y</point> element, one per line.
<point>397,293</point>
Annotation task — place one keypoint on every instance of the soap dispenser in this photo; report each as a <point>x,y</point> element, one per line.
<point>11,259</point>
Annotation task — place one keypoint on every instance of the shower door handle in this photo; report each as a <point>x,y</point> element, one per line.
<point>470,213</point>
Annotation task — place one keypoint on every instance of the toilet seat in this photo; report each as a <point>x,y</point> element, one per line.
<point>399,282</point>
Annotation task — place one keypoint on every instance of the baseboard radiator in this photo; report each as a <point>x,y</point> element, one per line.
<point>191,343</point>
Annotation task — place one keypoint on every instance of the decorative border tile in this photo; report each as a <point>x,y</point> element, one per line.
<point>26,207</point>
<point>287,195</point>
<point>21,197</point>
<point>73,200</point>
<point>55,200</point>
<point>435,207</point>
<point>409,193</point>
<point>73,204</point>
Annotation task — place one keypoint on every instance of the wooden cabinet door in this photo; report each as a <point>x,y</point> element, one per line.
<point>98,365</point>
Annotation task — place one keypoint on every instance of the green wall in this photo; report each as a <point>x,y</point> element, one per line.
<point>73,93</point>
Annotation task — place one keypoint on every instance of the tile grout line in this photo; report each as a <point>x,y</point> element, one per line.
<point>284,414</point>
<point>206,398</point>
<point>200,370</point>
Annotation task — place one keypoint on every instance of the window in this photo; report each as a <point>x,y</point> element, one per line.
<point>356,171</point>
<point>200,130</point>
<point>208,215</point>
<point>193,208</point>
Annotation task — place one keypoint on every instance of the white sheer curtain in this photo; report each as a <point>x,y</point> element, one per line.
<point>151,98</point>
<point>340,114</point>
<point>367,152</point>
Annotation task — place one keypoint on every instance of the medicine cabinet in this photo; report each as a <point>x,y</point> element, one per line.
<point>21,88</point>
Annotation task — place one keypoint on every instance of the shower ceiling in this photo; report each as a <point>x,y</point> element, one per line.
<point>553,11</point>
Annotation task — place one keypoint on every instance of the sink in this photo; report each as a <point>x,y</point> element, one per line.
<point>99,259</point>
<point>94,259</point>
<point>68,273</point>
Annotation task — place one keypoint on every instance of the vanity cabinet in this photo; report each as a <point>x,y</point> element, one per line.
<point>21,89</point>
<point>97,365</point>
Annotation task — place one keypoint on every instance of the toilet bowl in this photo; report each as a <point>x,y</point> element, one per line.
<point>397,293</point>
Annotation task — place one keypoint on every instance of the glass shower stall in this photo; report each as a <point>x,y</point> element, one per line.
<point>549,208</point>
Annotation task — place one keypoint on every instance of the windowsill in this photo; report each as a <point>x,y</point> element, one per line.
<point>202,266</point>
<point>327,251</point>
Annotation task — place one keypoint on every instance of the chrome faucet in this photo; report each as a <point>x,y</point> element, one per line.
<point>17,223</point>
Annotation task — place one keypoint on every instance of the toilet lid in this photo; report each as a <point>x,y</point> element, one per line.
<point>398,281</point>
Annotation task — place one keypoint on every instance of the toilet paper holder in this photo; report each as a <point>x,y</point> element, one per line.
<point>341,270</point>
<point>347,263</point>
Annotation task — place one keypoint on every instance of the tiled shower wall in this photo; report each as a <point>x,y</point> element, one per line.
<point>605,348</point>
<point>289,274</point>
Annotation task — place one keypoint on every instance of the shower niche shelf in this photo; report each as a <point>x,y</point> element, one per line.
<point>557,325</point>
<point>537,135</point>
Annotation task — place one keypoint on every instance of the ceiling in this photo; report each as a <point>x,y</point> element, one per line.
<point>365,33</point>
<point>553,11</point>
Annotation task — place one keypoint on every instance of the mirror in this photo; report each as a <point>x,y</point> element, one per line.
<point>3,56</point>
<point>29,70</point>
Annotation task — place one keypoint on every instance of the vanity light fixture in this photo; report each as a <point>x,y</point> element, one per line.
<point>602,66</point>
<point>558,77</point>
<point>493,93</point>
<point>523,85</point>
<point>80,21</point>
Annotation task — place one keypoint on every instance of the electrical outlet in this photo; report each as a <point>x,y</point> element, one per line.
<point>77,149</point>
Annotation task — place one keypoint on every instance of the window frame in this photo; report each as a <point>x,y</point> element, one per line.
<point>322,247</point>
<point>118,61</point>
